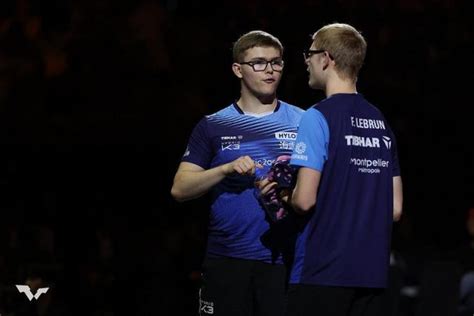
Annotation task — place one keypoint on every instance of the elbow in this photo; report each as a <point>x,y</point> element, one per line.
<point>177,194</point>
<point>397,214</point>
<point>397,209</point>
<point>397,198</point>
<point>303,206</point>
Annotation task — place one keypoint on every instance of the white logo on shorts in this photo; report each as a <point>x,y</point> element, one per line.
<point>206,307</point>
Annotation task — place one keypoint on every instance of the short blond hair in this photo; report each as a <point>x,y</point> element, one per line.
<point>345,44</point>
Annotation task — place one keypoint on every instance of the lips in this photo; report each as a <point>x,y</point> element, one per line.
<point>269,80</point>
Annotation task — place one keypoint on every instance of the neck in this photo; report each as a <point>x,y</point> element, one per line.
<point>253,104</point>
<point>338,85</point>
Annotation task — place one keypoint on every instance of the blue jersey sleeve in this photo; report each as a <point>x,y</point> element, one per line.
<point>311,149</point>
<point>199,149</point>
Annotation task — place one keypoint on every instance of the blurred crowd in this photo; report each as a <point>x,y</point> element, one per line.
<point>97,99</point>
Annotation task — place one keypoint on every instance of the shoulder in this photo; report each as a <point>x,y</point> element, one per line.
<point>377,113</point>
<point>373,107</point>
<point>291,108</point>
<point>226,112</point>
<point>313,113</point>
<point>210,119</point>
<point>325,102</point>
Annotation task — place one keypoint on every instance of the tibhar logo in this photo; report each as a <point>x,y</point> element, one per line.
<point>26,289</point>
<point>228,137</point>
<point>361,141</point>
<point>286,135</point>
<point>387,141</point>
<point>232,137</point>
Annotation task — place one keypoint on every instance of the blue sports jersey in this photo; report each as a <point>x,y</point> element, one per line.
<point>346,241</point>
<point>237,220</point>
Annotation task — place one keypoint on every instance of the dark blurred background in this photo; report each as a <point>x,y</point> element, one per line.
<point>98,98</point>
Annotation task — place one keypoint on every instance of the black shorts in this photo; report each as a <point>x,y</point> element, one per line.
<point>236,287</point>
<point>314,300</point>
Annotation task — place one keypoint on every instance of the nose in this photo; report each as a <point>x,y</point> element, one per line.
<point>268,67</point>
<point>306,58</point>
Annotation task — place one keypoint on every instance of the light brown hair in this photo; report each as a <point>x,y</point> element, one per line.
<point>345,45</point>
<point>254,39</point>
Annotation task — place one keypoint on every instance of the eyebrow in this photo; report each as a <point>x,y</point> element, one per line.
<point>264,59</point>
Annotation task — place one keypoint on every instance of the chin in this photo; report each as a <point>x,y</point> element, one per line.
<point>266,97</point>
<point>267,93</point>
<point>314,85</point>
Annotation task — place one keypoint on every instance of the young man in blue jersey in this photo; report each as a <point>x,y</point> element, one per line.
<point>241,273</point>
<point>348,187</point>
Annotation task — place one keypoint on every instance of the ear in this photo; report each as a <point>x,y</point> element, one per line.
<point>237,70</point>
<point>328,61</point>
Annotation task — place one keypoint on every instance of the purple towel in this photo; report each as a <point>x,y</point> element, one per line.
<point>282,173</point>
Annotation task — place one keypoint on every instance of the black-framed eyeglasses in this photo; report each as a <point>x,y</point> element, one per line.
<point>261,65</point>
<point>307,53</point>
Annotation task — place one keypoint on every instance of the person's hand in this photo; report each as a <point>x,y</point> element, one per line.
<point>285,195</point>
<point>271,199</point>
<point>265,186</point>
<point>276,187</point>
<point>243,165</point>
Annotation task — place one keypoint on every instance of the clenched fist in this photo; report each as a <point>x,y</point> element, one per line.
<point>243,165</point>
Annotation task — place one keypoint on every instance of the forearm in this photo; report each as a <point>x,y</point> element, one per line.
<point>191,184</point>
<point>303,197</point>
<point>397,198</point>
<point>287,199</point>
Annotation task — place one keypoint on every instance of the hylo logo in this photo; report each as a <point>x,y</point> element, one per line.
<point>285,135</point>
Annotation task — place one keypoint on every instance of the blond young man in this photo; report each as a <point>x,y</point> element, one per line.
<point>348,188</point>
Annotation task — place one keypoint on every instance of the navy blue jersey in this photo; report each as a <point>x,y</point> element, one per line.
<point>346,241</point>
<point>237,220</point>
